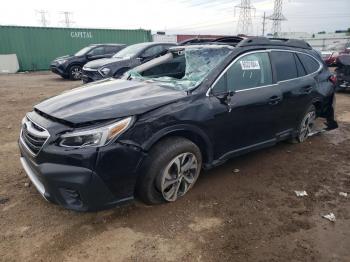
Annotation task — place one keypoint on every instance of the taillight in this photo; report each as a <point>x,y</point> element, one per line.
<point>333,79</point>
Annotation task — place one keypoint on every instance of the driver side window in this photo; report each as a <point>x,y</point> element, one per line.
<point>152,51</point>
<point>249,71</point>
<point>97,51</point>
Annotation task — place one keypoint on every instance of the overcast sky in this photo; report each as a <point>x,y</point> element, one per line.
<point>178,16</point>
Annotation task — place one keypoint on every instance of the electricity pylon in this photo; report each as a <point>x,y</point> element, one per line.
<point>43,20</point>
<point>277,17</point>
<point>244,24</point>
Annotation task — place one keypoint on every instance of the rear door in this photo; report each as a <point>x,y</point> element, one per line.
<point>297,85</point>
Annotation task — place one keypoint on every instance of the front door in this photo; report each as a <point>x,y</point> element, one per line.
<point>247,119</point>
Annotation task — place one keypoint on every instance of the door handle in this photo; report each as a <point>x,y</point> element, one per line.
<point>274,100</point>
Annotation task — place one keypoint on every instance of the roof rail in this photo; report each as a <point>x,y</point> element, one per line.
<point>254,41</point>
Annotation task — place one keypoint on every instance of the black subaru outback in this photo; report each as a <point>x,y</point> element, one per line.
<point>70,66</point>
<point>149,134</point>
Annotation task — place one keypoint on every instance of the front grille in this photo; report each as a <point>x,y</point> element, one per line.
<point>91,73</point>
<point>33,136</point>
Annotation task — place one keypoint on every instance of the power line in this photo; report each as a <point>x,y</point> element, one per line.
<point>244,24</point>
<point>277,17</point>
<point>43,20</point>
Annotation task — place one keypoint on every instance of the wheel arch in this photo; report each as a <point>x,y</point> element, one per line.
<point>317,103</point>
<point>74,64</point>
<point>192,133</point>
<point>122,69</point>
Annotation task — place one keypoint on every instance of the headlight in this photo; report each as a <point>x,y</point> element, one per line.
<point>62,61</point>
<point>96,137</point>
<point>105,71</point>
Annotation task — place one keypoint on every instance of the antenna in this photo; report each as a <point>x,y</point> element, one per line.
<point>277,17</point>
<point>43,20</point>
<point>67,18</point>
<point>244,24</point>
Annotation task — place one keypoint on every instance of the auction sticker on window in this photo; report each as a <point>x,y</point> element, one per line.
<point>250,65</point>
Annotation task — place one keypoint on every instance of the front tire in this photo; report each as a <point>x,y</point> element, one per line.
<point>75,72</point>
<point>172,168</point>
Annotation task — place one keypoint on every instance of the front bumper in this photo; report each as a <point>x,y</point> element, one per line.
<point>82,179</point>
<point>59,70</point>
<point>90,75</point>
<point>72,187</point>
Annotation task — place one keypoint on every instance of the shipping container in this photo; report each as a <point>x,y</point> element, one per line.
<point>36,47</point>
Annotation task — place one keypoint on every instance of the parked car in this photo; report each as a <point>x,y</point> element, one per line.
<point>195,41</point>
<point>331,52</point>
<point>70,66</point>
<point>343,72</point>
<point>124,60</point>
<point>149,134</point>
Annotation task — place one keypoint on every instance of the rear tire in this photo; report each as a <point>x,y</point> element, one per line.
<point>171,170</point>
<point>75,72</point>
<point>306,125</point>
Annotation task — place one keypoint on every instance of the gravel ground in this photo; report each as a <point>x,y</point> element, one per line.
<point>251,214</point>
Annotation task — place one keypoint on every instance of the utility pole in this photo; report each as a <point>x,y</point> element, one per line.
<point>43,20</point>
<point>264,24</point>
<point>67,21</point>
<point>245,17</point>
<point>277,17</point>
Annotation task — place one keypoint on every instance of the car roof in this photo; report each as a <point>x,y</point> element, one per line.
<point>251,41</point>
<point>275,42</point>
<point>200,46</point>
<point>107,44</point>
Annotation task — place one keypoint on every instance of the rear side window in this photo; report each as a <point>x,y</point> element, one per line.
<point>285,65</point>
<point>310,64</point>
<point>300,67</point>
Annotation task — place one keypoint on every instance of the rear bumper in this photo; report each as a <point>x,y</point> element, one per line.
<point>90,76</point>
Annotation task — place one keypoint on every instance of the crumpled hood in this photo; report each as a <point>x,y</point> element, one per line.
<point>96,64</point>
<point>108,99</point>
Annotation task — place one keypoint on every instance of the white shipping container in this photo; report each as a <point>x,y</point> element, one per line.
<point>165,38</point>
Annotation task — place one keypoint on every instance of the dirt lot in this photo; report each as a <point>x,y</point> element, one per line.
<point>250,215</point>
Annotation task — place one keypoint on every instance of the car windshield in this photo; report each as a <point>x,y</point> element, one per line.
<point>181,69</point>
<point>130,51</point>
<point>83,51</point>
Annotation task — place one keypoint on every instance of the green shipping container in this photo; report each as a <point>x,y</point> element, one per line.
<point>36,47</point>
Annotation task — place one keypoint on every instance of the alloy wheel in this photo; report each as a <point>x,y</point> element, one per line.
<point>307,126</point>
<point>76,73</point>
<point>179,176</point>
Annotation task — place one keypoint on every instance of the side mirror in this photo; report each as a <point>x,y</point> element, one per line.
<point>224,97</point>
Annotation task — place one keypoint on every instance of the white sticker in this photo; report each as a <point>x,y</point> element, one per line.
<point>250,65</point>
